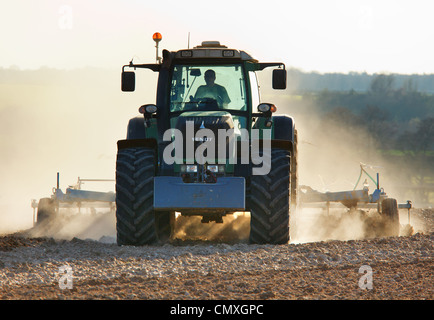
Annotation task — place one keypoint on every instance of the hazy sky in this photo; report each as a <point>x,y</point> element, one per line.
<point>325,36</point>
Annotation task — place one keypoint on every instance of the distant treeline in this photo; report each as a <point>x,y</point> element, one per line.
<point>394,115</point>
<point>299,81</point>
<point>390,113</point>
<point>399,106</point>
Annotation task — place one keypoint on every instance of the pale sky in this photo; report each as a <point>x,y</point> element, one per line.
<point>312,35</point>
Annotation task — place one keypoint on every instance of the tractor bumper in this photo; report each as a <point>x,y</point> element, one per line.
<point>227,194</point>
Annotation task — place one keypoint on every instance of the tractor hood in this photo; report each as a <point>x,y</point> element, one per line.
<point>212,120</point>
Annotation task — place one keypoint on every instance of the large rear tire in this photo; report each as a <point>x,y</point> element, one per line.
<point>136,221</point>
<point>46,211</point>
<point>270,201</point>
<point>294,188</point>
<point>390,214</point>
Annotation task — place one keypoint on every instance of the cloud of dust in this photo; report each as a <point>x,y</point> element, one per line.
<point>235,228</point>
<point>329,157</point>
<point>59,121</point>
<point>314,224</point>
<point>88,224</point>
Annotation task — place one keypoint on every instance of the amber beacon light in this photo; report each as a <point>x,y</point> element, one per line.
<point>157,38</point>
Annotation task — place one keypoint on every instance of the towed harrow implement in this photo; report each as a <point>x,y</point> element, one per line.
<point>388,208</point>
<point>82,201</point>
<point>75,198</point>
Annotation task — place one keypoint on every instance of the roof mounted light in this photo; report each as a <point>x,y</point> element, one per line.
<point>186,53</point>
<point>228,53</point>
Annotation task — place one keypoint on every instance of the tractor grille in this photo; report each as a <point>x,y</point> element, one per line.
<point>212,121</point>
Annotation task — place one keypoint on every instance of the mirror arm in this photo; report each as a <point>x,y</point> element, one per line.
<point>262,65</point>
<point>152,66</point>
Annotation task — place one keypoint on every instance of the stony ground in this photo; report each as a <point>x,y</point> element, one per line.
<point>402,268</point>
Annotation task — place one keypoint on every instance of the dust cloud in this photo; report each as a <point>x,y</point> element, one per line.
<point>59,121</point>
<point>69,224</point>
<point>313,224</point>
<point>329,157</point>
<point>234,229</point>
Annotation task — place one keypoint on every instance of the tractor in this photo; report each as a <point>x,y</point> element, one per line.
<point>208,147</point>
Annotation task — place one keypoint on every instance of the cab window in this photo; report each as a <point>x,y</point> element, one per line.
<point>208,87</point>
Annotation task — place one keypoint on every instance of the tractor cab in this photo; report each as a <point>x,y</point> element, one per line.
<point>204,85</point>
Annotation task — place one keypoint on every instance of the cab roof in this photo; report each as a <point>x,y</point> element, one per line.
<point>213,50</point>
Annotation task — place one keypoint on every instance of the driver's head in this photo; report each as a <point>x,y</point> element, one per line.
<point>209,77</point>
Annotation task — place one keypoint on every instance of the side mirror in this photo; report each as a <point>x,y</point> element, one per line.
<point>279,79</point>
<point>128,81</point>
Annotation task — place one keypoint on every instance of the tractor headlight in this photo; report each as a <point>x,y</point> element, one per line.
<point>267,107</point>
<point>216,168</point>
<point>151,108</point>
<point>148,108</point>
<point>189,168</point>
<point>213,168</point>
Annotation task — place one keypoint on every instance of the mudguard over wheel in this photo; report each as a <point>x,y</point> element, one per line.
<point>390,212</point>
<point>270,201</point>
<point>136,221</point>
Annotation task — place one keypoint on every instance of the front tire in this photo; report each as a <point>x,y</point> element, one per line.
<point>136,221</point>
<point>270,202</point>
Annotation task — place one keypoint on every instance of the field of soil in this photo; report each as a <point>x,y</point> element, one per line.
<point>37,266</point>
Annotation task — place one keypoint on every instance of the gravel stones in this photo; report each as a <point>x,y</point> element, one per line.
<point>403,267</point>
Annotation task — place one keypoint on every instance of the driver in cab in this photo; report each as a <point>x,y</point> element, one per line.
<point>212,90</point>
